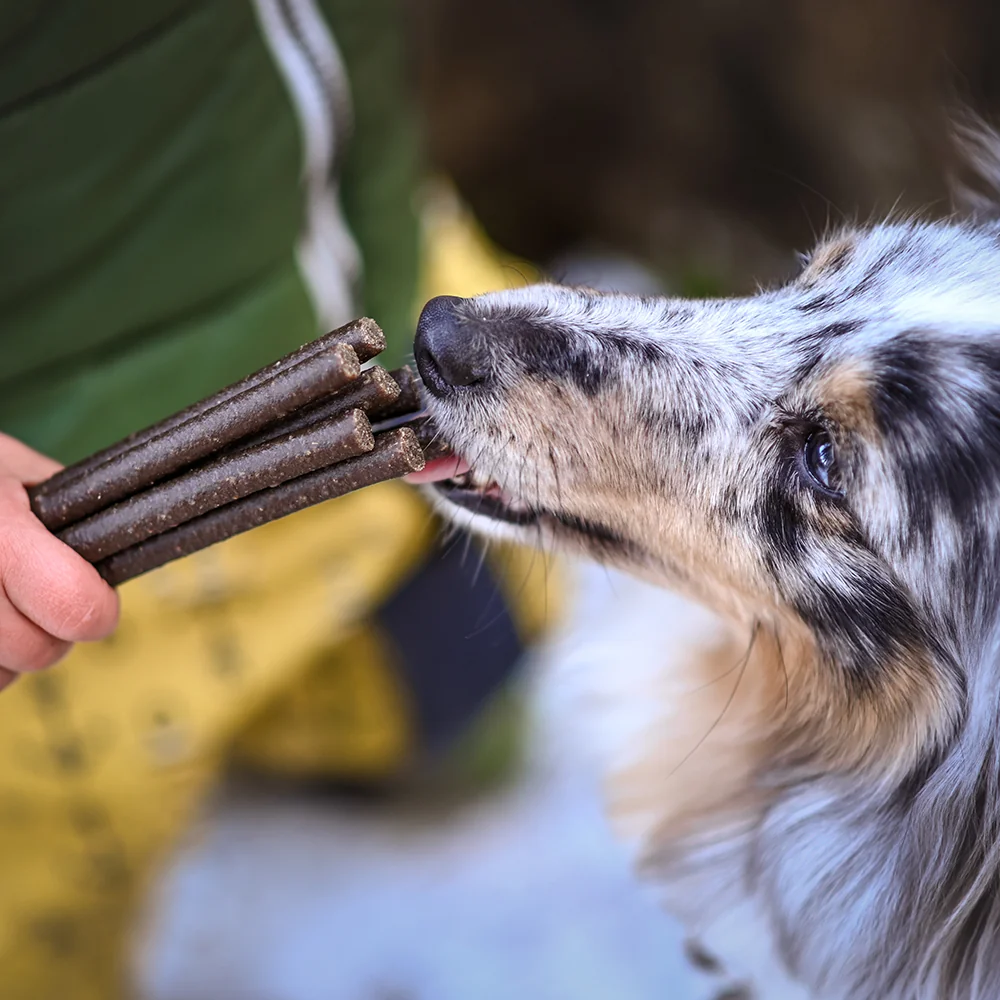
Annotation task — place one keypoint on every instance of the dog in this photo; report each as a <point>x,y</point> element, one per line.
<point>812,776</point>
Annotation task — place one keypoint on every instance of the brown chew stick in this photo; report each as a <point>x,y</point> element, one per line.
<point>176,447</point>
<point>362,335</point>
<point>408,400</point>
<point>430,440</point>
<point>218,482</point>
<point>407,411</point>
<point>395,454</point>
<point>374,390</point>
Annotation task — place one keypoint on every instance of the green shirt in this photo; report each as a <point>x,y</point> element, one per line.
<point>152,203</point>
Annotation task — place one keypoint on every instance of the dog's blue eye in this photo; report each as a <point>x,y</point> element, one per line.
<point>820,458</point>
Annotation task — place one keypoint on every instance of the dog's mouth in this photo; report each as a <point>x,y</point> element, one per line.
<point>453,479</point>
<point>456,482</point>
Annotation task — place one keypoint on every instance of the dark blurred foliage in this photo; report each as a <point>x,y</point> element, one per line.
<point>711,137</point>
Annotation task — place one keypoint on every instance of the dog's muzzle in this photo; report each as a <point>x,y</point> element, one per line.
<point>453,356</point>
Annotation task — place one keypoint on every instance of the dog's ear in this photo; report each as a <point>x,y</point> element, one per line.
<point>975,179</point>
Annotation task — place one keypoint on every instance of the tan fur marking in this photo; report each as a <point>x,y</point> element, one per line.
<point>846,395</point>
<point>829,258</point>
<point>603,473</point>
<point>729,718</point>
<point>830,726</point>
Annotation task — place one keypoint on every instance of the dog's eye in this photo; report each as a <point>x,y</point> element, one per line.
<point>819,455</point>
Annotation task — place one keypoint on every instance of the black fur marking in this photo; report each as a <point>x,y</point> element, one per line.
<point>729,507</point>
<point>973,821</point>
<point>904,389</point>
<point>948,460</point>
<point>863,624</point>
<point>632,350</point>
<point>602,539</point>
<point>827,301</point>
<point>780,521</point>
<point>665,422</point>
<point>806,369</point>
<point>817,339</point>
<point>818,303</point>
<point>834,331</point>
<point>904,400</point>
<point>965,472</point>
<point>977,832</point>
<point>980,547</point>
<point>701,958</point>
<point>917,781</point>
<point>985,357</point>
<point>553,352</point>
<point>876,268</point>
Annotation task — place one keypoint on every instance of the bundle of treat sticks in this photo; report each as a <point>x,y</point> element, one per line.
<point>310,427</point>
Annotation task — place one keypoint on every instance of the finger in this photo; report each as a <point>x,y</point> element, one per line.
<point>57,590</point>
<point>46,580</point>
<point>23,645</point>
<point>7,677</point>
<point>24,463</point>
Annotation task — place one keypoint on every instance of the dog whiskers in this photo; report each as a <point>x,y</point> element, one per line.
<point>732,694</point>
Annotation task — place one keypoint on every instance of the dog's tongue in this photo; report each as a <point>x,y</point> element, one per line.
<point>437,469</point>
<point>442,462</point>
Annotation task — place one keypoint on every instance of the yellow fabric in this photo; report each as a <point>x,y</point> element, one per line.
<point>348,717</point>
<point>260,644</point>
<point>103,760</point>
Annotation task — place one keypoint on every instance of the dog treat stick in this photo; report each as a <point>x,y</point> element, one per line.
<point>430,440</point>
<point>407,402</point>
<point>293,434</point>
<point>407,411</point>
<point>372,392</point>
<point>395,454</point>
<point>363,336</point>
<point>218,482</point>
<point>177,445</point>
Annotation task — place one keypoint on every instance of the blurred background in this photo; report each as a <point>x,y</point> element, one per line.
<point>341,757</point>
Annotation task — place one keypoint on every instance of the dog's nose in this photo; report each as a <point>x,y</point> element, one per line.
<point>451,354</point>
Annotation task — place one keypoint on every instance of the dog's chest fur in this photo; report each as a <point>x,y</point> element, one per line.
<point>673,766</point>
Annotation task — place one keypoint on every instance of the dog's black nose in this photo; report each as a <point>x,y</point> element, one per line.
<point>451,353</point>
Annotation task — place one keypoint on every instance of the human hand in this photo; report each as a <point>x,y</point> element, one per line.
<point>49,596</point>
